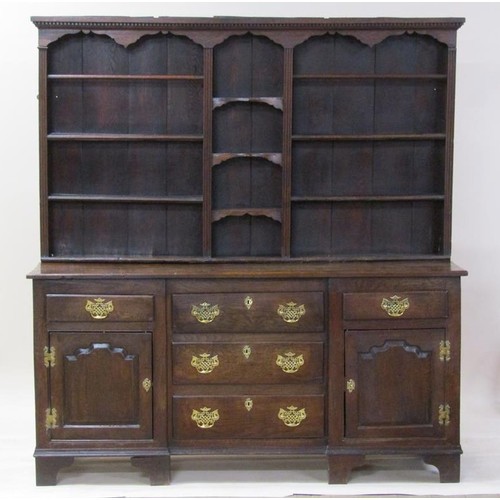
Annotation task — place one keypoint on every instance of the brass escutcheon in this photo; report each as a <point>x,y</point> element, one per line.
<point>289,362</point>
<point>292,416</point>
<point>247,351</point>
<point>205,363</point>
<point>147,384</point>
<point>395,306</point>
<point>248,302</point>
<point>291,312</point>
<point>99,309</point>
<point>248,404</point>
<point>350,385</point>
<point>205,312</point>
<point>205,418</point>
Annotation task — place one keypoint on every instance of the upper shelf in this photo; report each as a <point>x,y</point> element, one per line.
<point>371,76</point>
<point>122,77</point>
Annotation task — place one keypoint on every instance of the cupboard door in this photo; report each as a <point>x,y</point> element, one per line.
<point>100,385</point>
<point>394,384</point>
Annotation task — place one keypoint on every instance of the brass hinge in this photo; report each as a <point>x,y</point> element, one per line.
<point>50,418</point>
<point>49,356</point>
<point>444,414</point>
<point>445,350</point>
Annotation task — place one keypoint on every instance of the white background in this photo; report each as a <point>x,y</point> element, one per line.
<point>476,218</point>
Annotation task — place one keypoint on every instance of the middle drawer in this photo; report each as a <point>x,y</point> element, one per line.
<point>247,363</point>
<point>255,312</point>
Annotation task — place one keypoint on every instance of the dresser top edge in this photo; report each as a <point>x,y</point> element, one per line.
<point>48,270</point>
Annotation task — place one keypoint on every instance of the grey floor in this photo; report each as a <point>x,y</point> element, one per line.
<point>238,477</point>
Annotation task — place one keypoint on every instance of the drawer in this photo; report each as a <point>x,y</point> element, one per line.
<point>396,304</point>
<point>100,307</point>
<point>248,416</point>
<point>248,312</point>
<point>247,363</point>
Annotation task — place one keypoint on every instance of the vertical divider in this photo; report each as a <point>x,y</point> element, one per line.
<point>448,160</point>
<point>287,153</point>
<point>207,150</point>
<point>43,151</point>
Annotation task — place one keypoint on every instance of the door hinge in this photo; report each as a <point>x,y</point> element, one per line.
<point>50,418</point>
<point>445,350</point>
<point>49,356</point>
<point>444,414</point>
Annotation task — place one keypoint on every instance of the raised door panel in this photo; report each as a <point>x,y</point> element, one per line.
<point>394,384</point>
<point>99,385</point>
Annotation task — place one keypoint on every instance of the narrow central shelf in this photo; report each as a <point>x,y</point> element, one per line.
<point>271,213</point>
<point>218,158</point>
<point>275,102</point>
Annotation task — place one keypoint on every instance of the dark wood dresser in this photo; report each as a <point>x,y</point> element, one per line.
<point>246,241</point>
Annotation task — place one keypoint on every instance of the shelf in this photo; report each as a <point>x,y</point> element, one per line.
<point>272,213</point>
<point>125,199</point>
<point>370,137</point>
<point>218,158</point>
<point>366,76</point>
<point>320,199</point>
<point>124,77</point>
<point>123,137</point>
<point>275,102</point>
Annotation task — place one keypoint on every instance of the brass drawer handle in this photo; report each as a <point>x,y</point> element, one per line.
<point>289,362</point>
<point>99,309</point>
<point>292,416</point>
<point>205,312</point>
<point>205,363</point>
<point>205,418</point>
<point>395,306</point>
<point>291,312</point>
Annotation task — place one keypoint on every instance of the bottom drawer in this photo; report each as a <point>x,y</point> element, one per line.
<point>249,416</point>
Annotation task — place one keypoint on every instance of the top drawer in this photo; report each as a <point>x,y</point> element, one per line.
<point>100,307</point>
<point>252,312</point>
<point>396,304</point>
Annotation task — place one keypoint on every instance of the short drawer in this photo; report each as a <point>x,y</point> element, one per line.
<point>248,416</point>
<point>248,312</point>
<point>100,307</point>
<point>247,363</point>
<point>396,304</point>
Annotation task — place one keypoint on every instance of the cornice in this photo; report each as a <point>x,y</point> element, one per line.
<point>224,23</point>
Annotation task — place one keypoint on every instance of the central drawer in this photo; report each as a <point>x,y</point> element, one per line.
<point>248,416</point>
<point>255,312</point>
<point>247,363</point>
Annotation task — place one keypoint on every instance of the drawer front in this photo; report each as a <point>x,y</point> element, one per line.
<point>100,307</point>
<point>248,312</point>
<point>247,363</point>
<point>249,416</point>
<point>396,304</point>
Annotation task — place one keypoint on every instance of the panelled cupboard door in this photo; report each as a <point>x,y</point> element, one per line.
<point>100,386</point>
<point>394,384</point>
